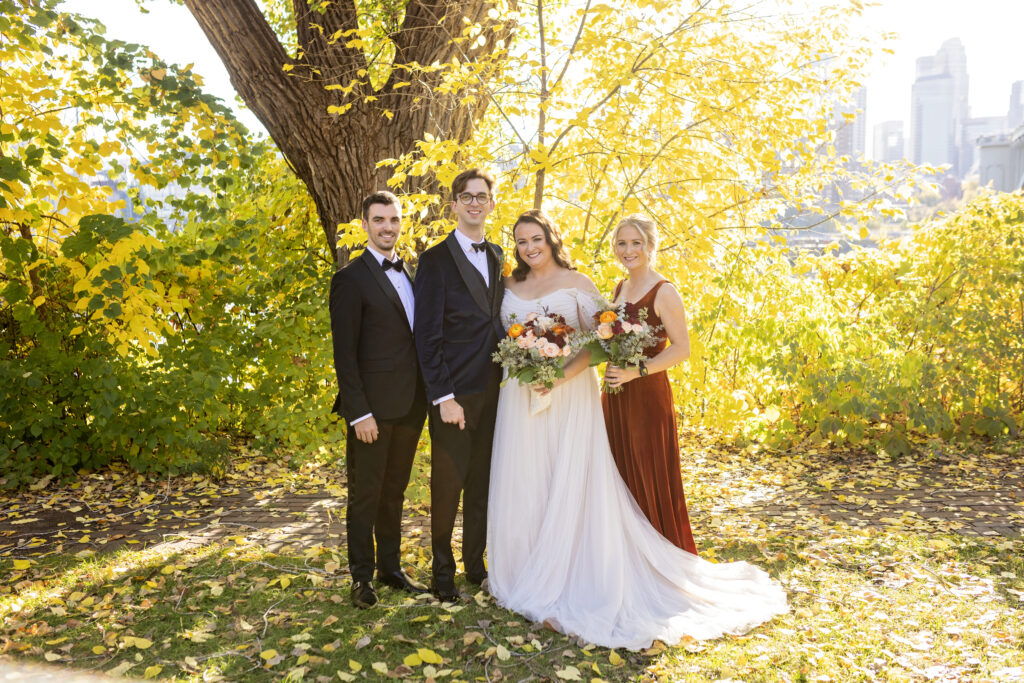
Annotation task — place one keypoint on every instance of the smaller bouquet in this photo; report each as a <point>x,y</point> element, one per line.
<point>534,352</point>
<point>620,337</point>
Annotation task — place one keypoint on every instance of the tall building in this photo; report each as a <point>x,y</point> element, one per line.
<point>974,129</point>
<point>1016,114</point>
<point>851,133</point>
<point>1001,160</point>
<point>932,127</point>
<point>938,114</point>
<point>888,142</point>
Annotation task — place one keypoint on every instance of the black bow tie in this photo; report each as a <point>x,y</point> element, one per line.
<point>479,246</point>
<point>396,264</point>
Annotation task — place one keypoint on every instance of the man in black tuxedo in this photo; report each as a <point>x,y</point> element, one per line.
<point>458,299</point>
<point>380,396</point>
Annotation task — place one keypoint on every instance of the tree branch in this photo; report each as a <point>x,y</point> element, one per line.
<point>538,190</point>
<point>316,32</point>
<point>572,48</point>
<point>254,59</point>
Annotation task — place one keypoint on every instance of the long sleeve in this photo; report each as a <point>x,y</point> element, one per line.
<point>428,327</point>
<point>346,320</point>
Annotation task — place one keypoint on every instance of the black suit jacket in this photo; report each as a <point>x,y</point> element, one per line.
<point>374,354</point>
<point>457,319</point>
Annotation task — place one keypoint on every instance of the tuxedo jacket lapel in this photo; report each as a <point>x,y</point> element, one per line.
<point>497,285</point>
<point>383,282</point>
<point>470,275</point>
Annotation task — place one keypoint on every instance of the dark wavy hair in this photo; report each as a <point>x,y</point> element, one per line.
<point>551,236</point>
<point>461,180</point>
<point>381,197</point>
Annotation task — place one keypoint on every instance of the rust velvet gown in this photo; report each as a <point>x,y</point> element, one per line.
<point>641,425</point>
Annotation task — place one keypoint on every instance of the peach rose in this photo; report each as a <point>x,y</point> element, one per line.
<point>551,351</point>
<point>526,341</point>
<point>515,330</point>
<point>604,331</point>
<point>566,351</point>
<point>530,317</point>
<point>609,317</point>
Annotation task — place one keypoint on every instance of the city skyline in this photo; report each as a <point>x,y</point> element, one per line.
<point>922,27</point>
<point>943,129</point>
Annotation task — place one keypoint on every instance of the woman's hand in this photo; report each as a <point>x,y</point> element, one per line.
<point>542,390</point>
<point>614,376</point>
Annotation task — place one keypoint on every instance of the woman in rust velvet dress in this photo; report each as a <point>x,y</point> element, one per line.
<point>640,418</point>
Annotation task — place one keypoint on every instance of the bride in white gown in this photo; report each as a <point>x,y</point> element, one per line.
<point>566,542</point>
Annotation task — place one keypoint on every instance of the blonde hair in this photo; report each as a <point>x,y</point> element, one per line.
<point>647,229</point>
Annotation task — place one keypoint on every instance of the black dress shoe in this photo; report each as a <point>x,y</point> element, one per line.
<point>363,595</point>
<point>477,580</point>
<point>401,581</point>
<point>446,592</point>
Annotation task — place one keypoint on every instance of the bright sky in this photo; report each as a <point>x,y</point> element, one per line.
<point>989,29</point>
<point>171,32</point>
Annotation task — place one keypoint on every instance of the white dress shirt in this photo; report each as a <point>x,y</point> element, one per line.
<point>402,285</point>
<point>477,258</point>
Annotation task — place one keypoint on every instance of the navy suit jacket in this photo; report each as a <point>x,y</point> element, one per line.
<point>374,354</point>
<point>457,321</point>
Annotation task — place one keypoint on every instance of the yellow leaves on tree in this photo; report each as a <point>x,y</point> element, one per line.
<point>712,121</point>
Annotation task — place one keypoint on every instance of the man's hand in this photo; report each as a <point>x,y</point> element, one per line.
<point>366,430</point>
<point>452,413</point>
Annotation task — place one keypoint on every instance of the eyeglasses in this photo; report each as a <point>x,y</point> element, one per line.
<point>467,198</point>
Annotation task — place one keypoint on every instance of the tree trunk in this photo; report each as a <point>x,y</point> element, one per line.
<point>335,155</point>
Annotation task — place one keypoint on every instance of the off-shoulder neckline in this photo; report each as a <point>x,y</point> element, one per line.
<point>543,296</point>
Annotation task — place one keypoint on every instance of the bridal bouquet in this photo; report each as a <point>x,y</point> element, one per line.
<point>534,352</point>
<point>621,335</point>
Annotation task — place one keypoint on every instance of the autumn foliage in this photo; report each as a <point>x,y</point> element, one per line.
<point>142,230</point>
<point>162,283</point>
<point>920,336</point>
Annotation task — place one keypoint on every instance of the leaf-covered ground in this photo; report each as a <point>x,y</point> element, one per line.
<point>897,569</point>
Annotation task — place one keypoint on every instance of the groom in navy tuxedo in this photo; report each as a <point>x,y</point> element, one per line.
<point>458,299</point>
<point>380,396</point>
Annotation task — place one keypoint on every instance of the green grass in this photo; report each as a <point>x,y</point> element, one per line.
<point>892,602</point>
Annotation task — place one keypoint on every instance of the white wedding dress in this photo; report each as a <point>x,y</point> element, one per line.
<point>566,542</point>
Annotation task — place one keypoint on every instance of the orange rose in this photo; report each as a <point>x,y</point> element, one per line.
<point>609,317</point>
<point>515,330</point>
<point>506,269</point>
<point>558,328</point>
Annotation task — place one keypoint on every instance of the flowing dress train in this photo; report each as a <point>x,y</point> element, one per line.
<point>568,544</point>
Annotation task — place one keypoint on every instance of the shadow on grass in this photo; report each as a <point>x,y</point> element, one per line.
<point>252,585</point>
<point>238,610</point>
<point>232,608</point>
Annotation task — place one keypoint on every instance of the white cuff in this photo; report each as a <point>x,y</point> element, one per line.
<point>443,399</point>
<point>359,419</point>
